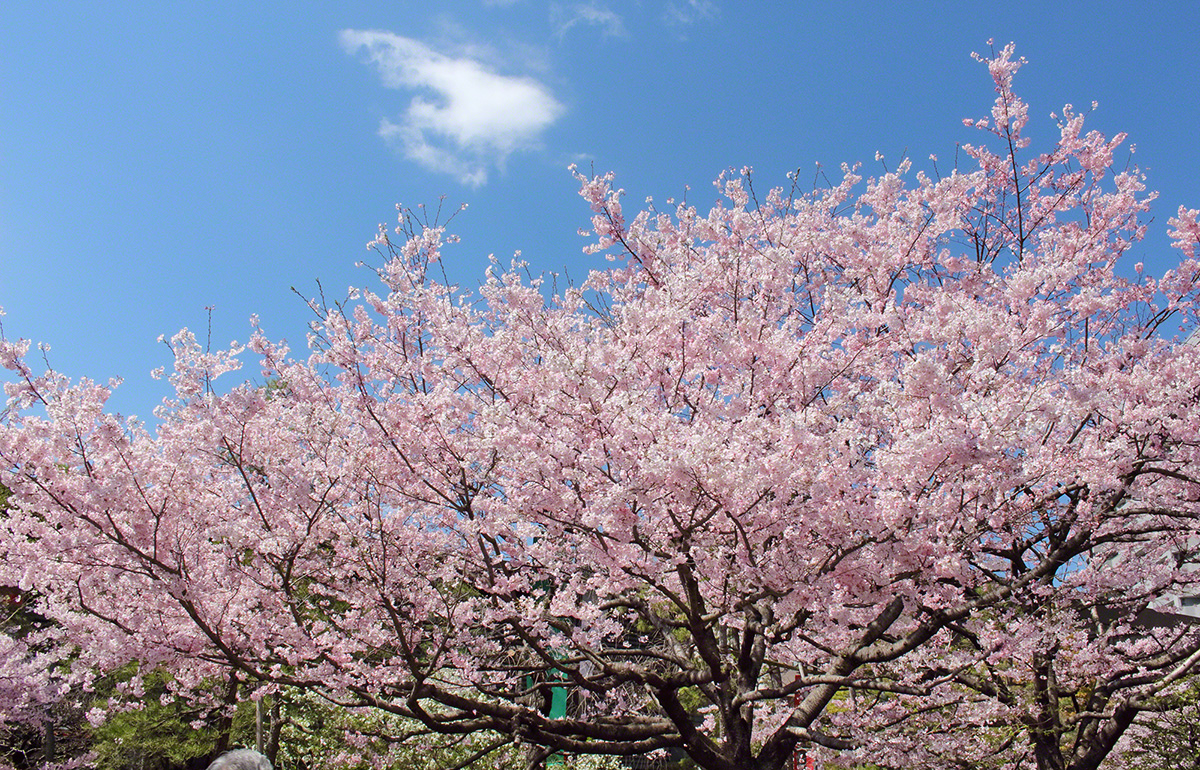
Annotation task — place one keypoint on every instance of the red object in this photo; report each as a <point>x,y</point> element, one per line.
<point>798,753</point>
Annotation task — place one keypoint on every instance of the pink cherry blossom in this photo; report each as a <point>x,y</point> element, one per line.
<point>903,471</point>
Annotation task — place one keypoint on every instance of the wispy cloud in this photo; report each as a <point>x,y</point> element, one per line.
<point>591,14</point>
<point>465,119</point>
<point>691,11</point>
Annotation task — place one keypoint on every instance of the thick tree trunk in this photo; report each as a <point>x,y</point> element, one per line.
<point>225,723</point>
<point>272,748</point>
<point>48,747</point>
<point>535,757</point>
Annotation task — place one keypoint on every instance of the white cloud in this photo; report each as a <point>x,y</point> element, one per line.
<point>691,11</point>
<point>465,118</point>
<point>591,14</point>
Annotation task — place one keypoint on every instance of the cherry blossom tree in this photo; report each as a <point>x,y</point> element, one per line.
<point>897,470</point>
<point>30,654</point>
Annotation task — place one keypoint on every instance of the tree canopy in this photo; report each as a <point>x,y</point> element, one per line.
<point>891,471</point>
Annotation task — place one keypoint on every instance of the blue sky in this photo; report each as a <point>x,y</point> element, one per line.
<point>157,159</point>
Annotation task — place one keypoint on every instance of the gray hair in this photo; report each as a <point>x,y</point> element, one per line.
<point>241,759</point>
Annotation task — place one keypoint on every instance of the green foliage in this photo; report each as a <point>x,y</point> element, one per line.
<point>166,732</point>
<point>163,731</point>
<point>1169,740</point>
